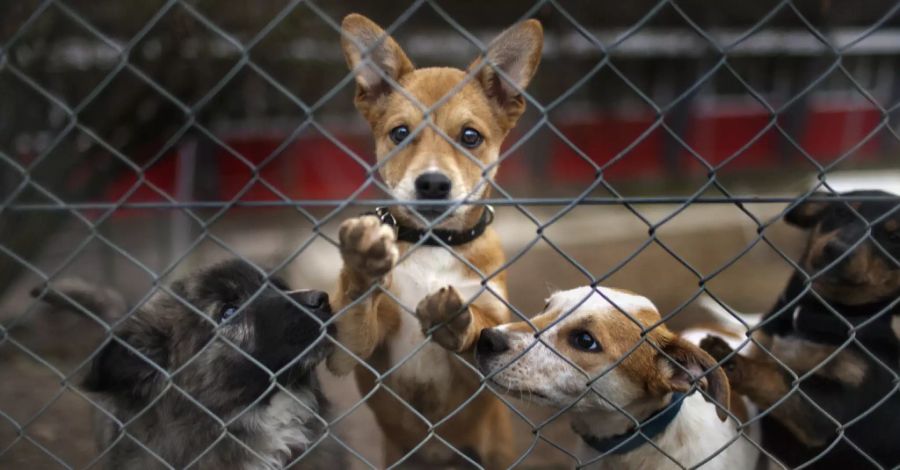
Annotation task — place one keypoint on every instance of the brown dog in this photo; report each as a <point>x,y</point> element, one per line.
<point>438,133</point>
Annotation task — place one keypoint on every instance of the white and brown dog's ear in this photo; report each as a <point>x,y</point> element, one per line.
<point>372,55</point>
<point>517,53</point>
<point>692,363</point>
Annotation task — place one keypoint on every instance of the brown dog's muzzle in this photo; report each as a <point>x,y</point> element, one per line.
<point>433,185</point>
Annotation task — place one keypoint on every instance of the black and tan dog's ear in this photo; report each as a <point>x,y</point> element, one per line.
<point>807,213</point>
<point>693,362</point>
<point>118,371</point>
<point>517,53</point>
<point>372,55</point>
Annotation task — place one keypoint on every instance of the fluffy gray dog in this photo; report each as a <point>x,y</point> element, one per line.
<point>227,382</point>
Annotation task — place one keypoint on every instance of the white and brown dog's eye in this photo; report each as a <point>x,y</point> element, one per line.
<point>399,134</point>
<point>227,312</point>
<point>584,341</point>
<point>470,138</point>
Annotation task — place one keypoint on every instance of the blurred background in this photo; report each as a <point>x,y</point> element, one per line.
<point>139,140</point>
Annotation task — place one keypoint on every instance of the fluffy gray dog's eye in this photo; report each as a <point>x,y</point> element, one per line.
<point>227,312</point>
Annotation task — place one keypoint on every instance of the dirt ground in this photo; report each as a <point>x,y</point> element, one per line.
<point>45,420</point>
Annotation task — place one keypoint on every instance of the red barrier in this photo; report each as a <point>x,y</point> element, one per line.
<point>313,167</point>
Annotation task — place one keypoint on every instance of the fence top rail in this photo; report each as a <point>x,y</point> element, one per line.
<point>553,201</point>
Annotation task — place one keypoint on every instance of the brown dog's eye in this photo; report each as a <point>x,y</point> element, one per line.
<point>470,138</point>
<point>580,339</point>
<point>399,134</point>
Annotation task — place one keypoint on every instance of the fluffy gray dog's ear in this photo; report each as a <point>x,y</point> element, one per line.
<point>119,370</point>
<point>78,295</point>
<point>807,213</point>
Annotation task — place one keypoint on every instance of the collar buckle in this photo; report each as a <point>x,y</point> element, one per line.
<point>385,216</point>
<point>488,214</point>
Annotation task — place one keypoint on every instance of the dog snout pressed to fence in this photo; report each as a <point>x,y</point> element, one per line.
<point>532,231</point>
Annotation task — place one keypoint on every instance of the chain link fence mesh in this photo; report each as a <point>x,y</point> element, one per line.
<point>138,142</point>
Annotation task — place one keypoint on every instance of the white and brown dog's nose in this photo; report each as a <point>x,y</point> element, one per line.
<point>491,342</point>
<point>433,185</point>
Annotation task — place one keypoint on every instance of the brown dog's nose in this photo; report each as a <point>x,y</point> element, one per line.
<point>491,342</point>
<point>433,185</point>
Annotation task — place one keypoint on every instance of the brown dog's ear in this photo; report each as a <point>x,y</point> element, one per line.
<point>517,53</point>
<point>692,363</point>
<point>807,213</point>
<point>368,50</point>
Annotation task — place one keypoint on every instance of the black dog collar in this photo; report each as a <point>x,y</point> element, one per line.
<point>630,440</point>
<point>431,237</point>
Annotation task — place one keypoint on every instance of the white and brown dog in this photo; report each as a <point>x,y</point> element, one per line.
<point>438,133</point>
<point>615,370</point>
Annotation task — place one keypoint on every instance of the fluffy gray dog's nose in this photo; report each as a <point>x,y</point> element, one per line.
<point>433,185</point>
<point>310,298</point>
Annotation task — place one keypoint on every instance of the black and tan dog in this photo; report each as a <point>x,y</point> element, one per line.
<point>227,382</point>
<point>837,327</point>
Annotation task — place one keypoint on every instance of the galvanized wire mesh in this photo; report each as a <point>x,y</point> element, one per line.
<point>103,125</point>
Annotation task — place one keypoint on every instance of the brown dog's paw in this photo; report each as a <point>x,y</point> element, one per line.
<point>445,307</point>
<point>368,247</point>
<point>719,350</point>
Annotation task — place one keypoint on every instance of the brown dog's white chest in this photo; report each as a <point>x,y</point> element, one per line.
<point>423,271</point>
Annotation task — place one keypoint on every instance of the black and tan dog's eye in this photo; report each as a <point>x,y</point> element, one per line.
<point>582,340</point>
<point>844,211</point>
<point>470,138</point>
<point>894,236</point>
<point>399,134</point>
<point>227,312</point>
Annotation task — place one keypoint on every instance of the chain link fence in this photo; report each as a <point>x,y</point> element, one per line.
<point>662,144</point>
